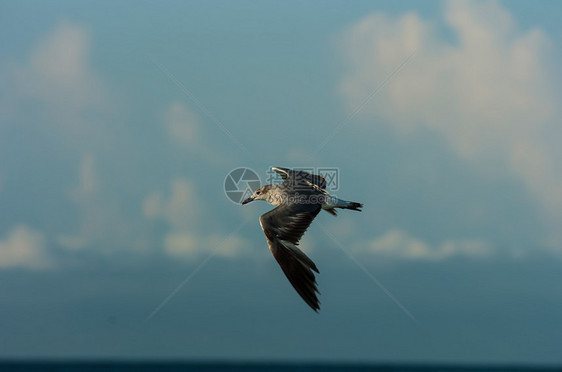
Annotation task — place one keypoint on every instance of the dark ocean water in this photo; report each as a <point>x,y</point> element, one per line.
<point>246,367</point>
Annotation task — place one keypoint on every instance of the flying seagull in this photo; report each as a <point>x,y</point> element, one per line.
<point>298,200</point>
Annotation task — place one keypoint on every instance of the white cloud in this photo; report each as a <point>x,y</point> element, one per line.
<point>188,245</point>
<point>181,123</point>
<point>180,244</point>
<point>102,224</point>
<point>60,64</point>
<point>24,247</point>
<point>88,180</point>
<point>180,210</point>
<point>56,79</point>
<point>490,94</point>
<point>72,242</point>
<point>186,237</point>
<point>397,243</point>
<point>55,87</point>
<point>152,206</point>
<point>228,247</point>
<point>94,218</point>
<point>184,128</point>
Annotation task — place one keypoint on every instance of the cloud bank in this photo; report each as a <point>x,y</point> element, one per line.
<point>24,247</point>
<point>488,93</point>
<point>57,79</point>
<point>185,224</point>
<point>398,243</point>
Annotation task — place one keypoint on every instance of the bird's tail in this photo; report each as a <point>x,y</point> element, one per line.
<point>334,203</point>
<point>353,206</point>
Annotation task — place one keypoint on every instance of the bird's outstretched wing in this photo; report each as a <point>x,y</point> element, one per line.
<point>283,228</point>
<point>297,177</point>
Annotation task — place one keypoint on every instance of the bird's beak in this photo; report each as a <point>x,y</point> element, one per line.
<point>247,200</point>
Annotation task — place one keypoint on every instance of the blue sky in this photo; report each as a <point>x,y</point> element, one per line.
<point>119,123</point>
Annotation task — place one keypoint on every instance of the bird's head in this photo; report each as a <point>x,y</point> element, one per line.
<point>259,194</point>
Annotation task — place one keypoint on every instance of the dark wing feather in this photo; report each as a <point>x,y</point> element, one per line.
<point>296,177</point>
<point>283,228</point>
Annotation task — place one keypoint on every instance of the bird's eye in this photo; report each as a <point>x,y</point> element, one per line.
<point>258,192</point>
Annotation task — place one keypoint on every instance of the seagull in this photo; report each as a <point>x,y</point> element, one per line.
<point>298,200</point>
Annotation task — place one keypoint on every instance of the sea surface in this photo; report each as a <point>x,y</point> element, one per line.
<point>27,366</point>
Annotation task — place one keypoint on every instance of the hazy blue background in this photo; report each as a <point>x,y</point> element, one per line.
<point>119,122</point>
